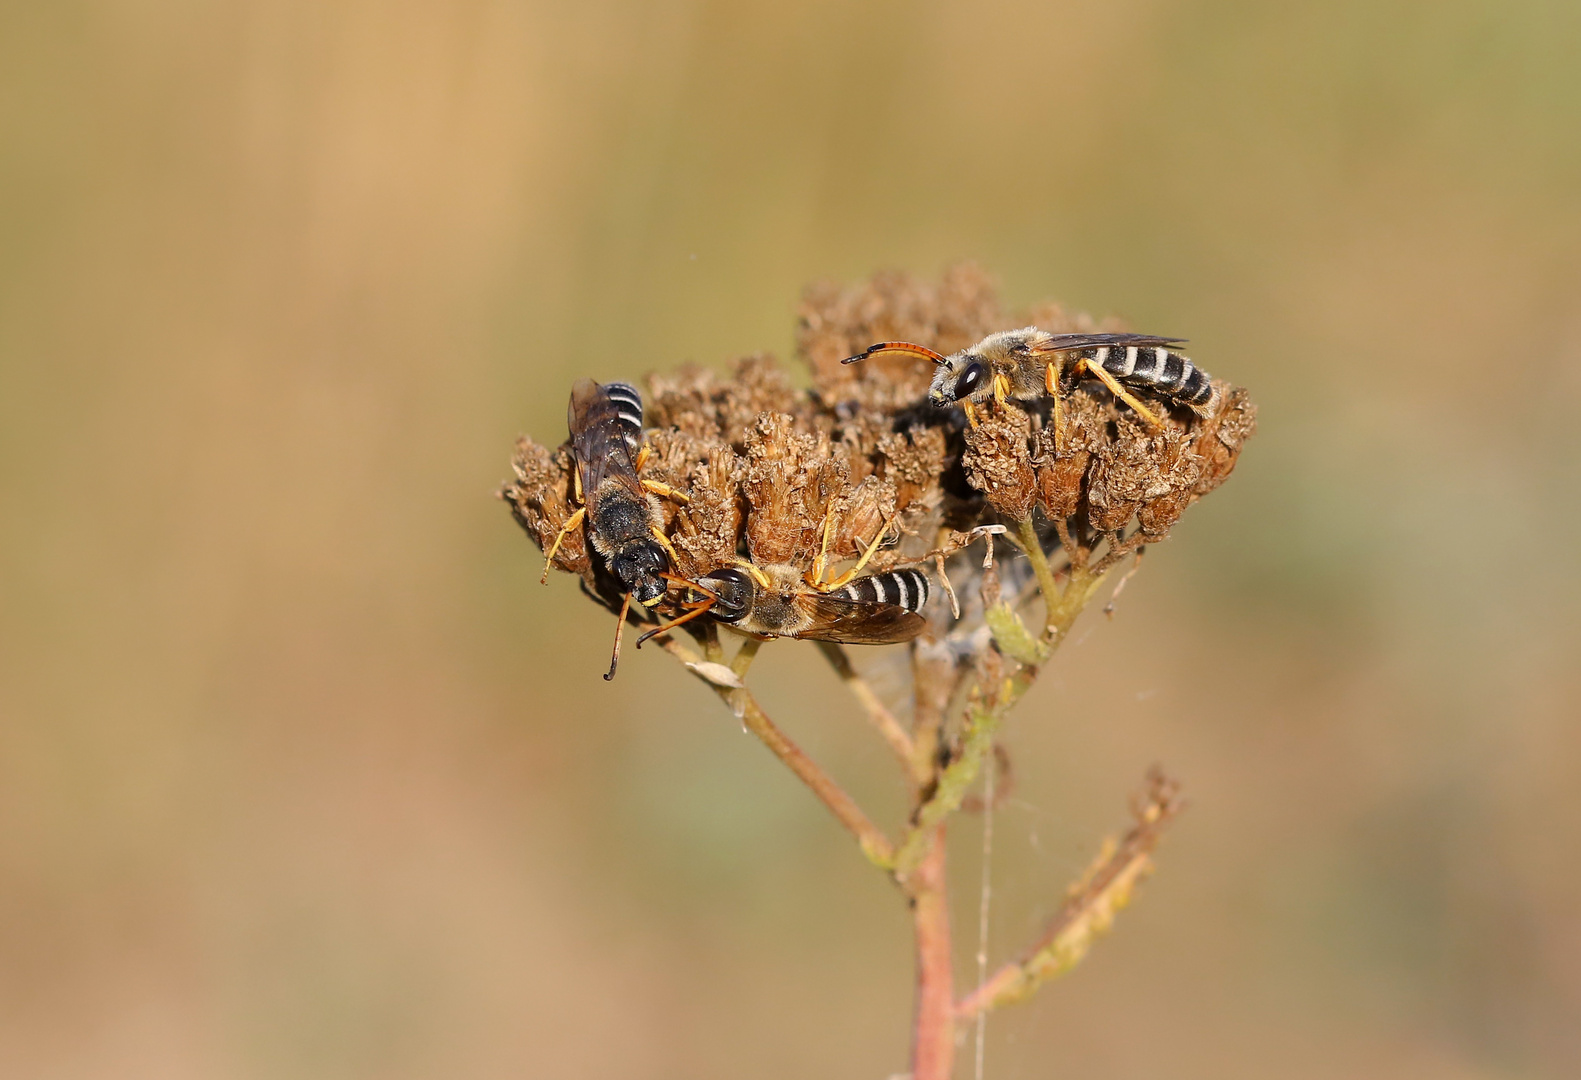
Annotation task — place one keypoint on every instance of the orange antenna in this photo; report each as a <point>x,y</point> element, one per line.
<point>905,348</point>
<point>699,608</point>
<point>692,610</point>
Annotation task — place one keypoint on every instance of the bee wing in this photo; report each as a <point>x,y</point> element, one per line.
<point>600,445</point>
<point>853,622</point>
<point>1070,342</point>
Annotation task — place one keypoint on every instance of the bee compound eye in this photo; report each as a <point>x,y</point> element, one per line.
<point>970,378</point>
<point>734,591</point>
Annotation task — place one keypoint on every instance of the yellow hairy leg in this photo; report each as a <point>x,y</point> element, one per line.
<point>570,523</point>
<point>1121,392</point>
<point>872,549</point>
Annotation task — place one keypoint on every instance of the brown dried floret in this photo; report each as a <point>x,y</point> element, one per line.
<point>914,461</point>
<point>701,403</point>
<point>708,528</point>
<point>684,399</point>
<point>1136,466</point>
<point>1153,476</point>
<point>539,500</point>
<point>789,481</point>
<point>1062,469</point>
<point>706,472</point>
<point>861,513</point>
<point>1223,435</point>
<point>998,462</point>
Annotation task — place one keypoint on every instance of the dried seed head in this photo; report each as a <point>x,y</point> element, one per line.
<point>760,466</point>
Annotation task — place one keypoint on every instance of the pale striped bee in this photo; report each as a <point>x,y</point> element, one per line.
<point>779,601</point>
<point>1030,363</point>
<point>622,516</point>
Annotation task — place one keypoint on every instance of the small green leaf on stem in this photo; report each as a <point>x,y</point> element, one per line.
<point>1013,637</point>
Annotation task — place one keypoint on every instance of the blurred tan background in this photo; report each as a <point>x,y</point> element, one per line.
<point>303,775</point>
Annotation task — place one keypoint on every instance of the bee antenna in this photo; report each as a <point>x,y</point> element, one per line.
<point>906,348</point>
<point>697,609</point>
<point>620,628</point>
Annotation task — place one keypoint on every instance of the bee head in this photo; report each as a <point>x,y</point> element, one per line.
<point>735,590</point>
<point>638,567</point>
<point>960,377</point>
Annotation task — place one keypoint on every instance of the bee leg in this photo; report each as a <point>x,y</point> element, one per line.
<point>757,575</point>
<point>1122,393</point>
<point>872,549</point>
<point>1001,390</point>
<point>970,410</point>
<point>664,542</point>
<point>620,628</point>
<point>1051,381</point>
<point>570,523</point>
<point>642,457</point>
<point>820,564</point>
<point>666,491</point>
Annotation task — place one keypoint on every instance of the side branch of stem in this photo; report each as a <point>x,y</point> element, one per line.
<point>1089,908</point>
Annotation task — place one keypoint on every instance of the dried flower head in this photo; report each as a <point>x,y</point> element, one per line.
<point>775,475</point>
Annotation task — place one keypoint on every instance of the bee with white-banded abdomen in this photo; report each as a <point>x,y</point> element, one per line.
<point>619,507</point>
<point>779,601</point>
<point>1029,363</point>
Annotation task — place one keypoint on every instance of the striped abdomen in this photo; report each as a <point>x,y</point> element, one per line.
<point>1168,374</point>
<point>906,589</point>
<point>619,405</point>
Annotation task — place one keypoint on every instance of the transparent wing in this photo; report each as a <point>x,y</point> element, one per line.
<point>598,439</point>
<point>1072,342</point>
<point>852,622</point>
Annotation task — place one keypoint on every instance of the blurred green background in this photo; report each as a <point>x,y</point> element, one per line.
<point>303,775</point>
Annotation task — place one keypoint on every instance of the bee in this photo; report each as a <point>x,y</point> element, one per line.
<point>778,601</point>
<point>1029,363</point>
<point>619,507</point>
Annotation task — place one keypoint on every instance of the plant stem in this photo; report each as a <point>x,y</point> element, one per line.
<point>1027,533</point>
<point>978,740</point>
<point>985,894</point>
<point>875,845</point>
<point>933,1039</point>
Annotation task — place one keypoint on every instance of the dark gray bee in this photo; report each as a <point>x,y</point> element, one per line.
<point>1030,363</point>
<point>619,507</point>
<point>779,601</point>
